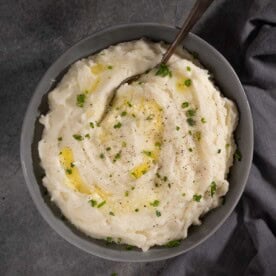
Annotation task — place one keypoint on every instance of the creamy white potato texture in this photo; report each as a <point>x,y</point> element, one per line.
<point>138,168</point>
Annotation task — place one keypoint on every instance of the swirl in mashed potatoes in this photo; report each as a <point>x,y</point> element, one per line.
<point>141,170</point>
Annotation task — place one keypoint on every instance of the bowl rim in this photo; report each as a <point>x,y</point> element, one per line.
<point>33,185</point>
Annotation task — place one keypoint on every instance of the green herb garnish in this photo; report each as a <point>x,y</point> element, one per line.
<point>203,120</point>
<point>124,113</point>
<point>219,150</point>
<point>188,68</point>
<point>92,202</point>
<point>173,243</point>
<point>190,149</point>
<point>158,213</point>
<point>124,144</point>
<point>80,100</point>
<point>87,135</point>
<point>213,188</point>
<point>59,139</point>
<point>129,104</point>
<point>117,156</point>
<point>108,149</point>
<point>101,204</point>
<point>129,247</point>
<point>126,193</point>
<point>147,153</point>
<point>102,156</point>
<point>197,197</point>
<point>150,117</point>
<point>78,137</point>
<point>136,210</point>
<point>91,125</point>
<point>111,214</point>
<point>190,112</point>
<point>118,125</point>
<point>177,128</point>
<point>185,105</point>
<point>155,203</point>
<point>191,122</point>
<point>68,171</point>
<point>109,67</point>
<point>188,82</point>
<point>163,71</point>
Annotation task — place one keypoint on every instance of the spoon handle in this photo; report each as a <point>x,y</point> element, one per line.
<point>197,11</point>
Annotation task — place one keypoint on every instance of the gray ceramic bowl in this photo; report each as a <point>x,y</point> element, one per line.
<point>227,80</point>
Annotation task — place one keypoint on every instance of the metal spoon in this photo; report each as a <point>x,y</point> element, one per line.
<point>195,14</point>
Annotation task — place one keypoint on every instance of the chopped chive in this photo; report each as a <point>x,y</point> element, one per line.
<point>80,100</point>
<point>165,178</point>
<point>124,144</point>
<point>163,71</point>
<point>188,68</point>
<point>78,137</point>
<point>191,122</point>
<point>177,128</point>
<point>126,193</point>
<point>87,135</point>
<point>190,149</point>
<point>173,243</point>
<point>101,204</point>
<point>124,113</point>
<point>111,214</point>
<point>188,82</point>
<point>129,104</point>
<point>158,213</point>
<point>155,203</point>
<point>92,202</point>
<point>68,171</point>
<point>129,247</point>
<point>136,210</point>
<point>197,197</point>
<point>108,149</point>
<point>147,153</point>
<point>203,120</point>
<point>150,117</point>
<point>109,240</point>
<point>118,125</point>
<point>213,188</point>
<point>109,67</point>
<point>91,125</point>
<point>185,105</point>
<point>102,156</point>
<point>219,150</point>
<point>117,156</point>
<point>190,112</point>
<point>59,138</point>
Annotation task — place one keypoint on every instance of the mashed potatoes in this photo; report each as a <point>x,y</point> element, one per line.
<point>144,168</point>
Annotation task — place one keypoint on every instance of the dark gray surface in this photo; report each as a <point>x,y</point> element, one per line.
<point>34,33</point>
